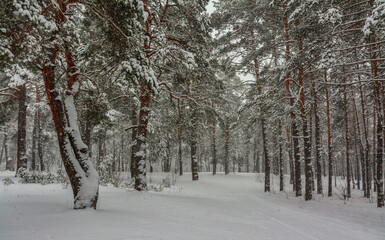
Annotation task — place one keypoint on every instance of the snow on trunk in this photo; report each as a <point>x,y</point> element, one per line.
<point>140,144</point>
<point>88,179</point>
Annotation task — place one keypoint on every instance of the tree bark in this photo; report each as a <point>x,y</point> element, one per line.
<point>347,141</point>
<point>180,160</point>
<point>213,143</point>
<point>83,177</point>
<point>317,137</point>
<point>330,150</point>
<point>227,145</point>
<point>280,157</point>
<point>34,138</point>
<point>194,161</point>
<point>134,122</point>
<point>21,129</point>
<point>140,148</point>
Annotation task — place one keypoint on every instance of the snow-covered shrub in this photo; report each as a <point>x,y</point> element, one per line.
<point>61,177</point>
<point>166,182</point>
<point>7,181</point>
<point>107,175</point>
<point>127,184</point>
<point>37,177</point>
<point>155,187</point>
<point>44,177</point>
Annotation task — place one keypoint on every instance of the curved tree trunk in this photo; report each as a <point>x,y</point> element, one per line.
<point>83,176</point>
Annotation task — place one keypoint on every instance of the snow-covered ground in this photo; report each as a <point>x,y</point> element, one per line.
<point>215,207</point>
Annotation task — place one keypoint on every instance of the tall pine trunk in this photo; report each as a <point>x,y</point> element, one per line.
<point>134,122</point>
<point>330,150</point>
<point>227,146</point>
<point>317,137</point>
<point>140,148</point>
<point>281,177</point>
<point>347,142</point>
<point>213,143</point>
<point>194,161</point>
<point>21,129</point>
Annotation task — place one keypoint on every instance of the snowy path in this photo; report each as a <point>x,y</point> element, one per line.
<point>216,207</point>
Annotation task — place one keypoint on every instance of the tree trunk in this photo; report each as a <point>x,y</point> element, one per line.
<point>194,161</point>
<point>34,138</point>
<point>374,146</point>
<point>357,139</point>
<point>8,163</point>
<point>379,100</point>
<point>134,122</point>
<point>83,177</point>
<point>247,162</point>
<point>227,145</point>
<point>317,137</point>
<point>213,142</point>
<point>266,154</point>
<point>306,139</point>
<point>167,163</point>
<point>379,180</point>
<point>3,147</point>
<point>140,148</point>
<point>347,142</point>
<point>180,131</point>
<point>21,130</point>
<point>330,154</point>
<point>40,153</point>
<point>280,157</point>
<point>101,143</point>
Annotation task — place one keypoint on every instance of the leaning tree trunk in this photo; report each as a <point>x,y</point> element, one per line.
<point>21,129</point>
<point>82,175</point>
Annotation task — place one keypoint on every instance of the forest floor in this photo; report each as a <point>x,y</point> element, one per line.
<point>215,207</point>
